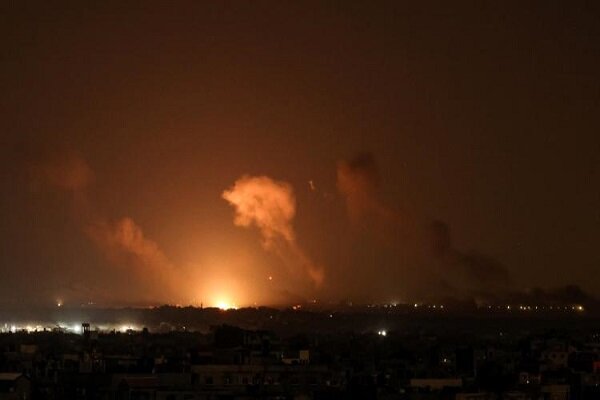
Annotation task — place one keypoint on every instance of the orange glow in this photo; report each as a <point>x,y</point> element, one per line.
<point>225,305</point>
<point>225,293</point>
<point>271,206</point>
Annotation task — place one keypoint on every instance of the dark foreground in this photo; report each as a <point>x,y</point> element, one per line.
<point>297,354</point>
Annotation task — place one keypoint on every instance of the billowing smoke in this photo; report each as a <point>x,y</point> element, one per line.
<point>122,242</point>
<point>358,181</point>
<point>271,206</point>
<point>466,270</point>
<point>268,204</point>
<point>450,271</point>
<point>560,296</point>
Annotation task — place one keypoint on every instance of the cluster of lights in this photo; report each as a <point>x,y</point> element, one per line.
<point>430,306</point>
<point>416,305</point>
<point>6,328</point>
<point>537,308</point>
<point>382,332</point>
<point>75,328</point>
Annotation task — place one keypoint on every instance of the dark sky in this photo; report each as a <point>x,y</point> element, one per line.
<point>482,115</point>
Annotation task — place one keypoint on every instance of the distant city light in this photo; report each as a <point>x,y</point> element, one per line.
<point>382,332</point>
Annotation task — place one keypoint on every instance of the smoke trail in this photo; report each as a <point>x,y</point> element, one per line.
<point>358,182</point>
<point>473,269</point>
<point>271,206</point>
<point>125,236</point>
<point>121,242</point>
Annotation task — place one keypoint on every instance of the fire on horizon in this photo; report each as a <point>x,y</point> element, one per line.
<point>234,154</point>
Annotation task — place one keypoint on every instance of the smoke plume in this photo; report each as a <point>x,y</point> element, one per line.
<point>271,206</point>
<point>124,243</point>
<point>358,181</point>
<point>458,273</point>
<point>121,242</point>
<point>559,296</point>
<point>467,270</point>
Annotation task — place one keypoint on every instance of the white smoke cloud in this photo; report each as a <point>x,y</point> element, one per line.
<point>271,206</point>
<point>268,204</point>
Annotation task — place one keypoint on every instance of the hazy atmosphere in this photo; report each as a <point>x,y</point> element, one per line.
<point>241,153</point>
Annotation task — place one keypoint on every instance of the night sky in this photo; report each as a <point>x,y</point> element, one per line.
<point>271,152</point>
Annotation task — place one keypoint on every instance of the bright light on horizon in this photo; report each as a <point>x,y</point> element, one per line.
<point>225,305</point>
<point>227,294</point>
